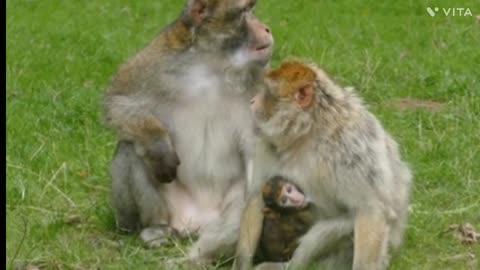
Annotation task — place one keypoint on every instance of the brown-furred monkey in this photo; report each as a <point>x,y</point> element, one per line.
<point>192,83</point>
<point>288,214</point>
<point>322,135</point>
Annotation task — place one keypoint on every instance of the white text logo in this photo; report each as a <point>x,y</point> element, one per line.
<point>450,11</point>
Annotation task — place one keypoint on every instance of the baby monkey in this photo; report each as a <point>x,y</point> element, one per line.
<point>287,216</point>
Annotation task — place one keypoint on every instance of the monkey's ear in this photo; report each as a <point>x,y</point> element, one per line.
<point>197,11</point>
<point>304,95</point>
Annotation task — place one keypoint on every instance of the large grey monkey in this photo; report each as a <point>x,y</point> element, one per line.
<point>183,101</point>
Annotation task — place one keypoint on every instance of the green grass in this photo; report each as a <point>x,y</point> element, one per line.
<point>61,56</point>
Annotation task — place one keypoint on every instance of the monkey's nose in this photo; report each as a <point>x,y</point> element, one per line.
<point>252,101</point>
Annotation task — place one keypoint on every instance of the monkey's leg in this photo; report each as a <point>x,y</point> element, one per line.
<point>370,240</point>
<point>123,202</point>
<point>324,235</point>
<point>220,237</point>
<point>150,208</point>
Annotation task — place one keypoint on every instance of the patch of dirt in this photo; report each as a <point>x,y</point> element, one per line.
<point>412,104</point>
<point>466,233</point>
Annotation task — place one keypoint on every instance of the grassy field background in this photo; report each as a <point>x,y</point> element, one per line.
<point>419,74</point>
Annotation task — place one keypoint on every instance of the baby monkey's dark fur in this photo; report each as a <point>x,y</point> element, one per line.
<point>282,226</point>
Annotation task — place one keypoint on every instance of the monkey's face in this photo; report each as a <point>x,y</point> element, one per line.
<point>230,26</point>
<point>291,197</point>
<point>280,193</point>
<point>283,107</point>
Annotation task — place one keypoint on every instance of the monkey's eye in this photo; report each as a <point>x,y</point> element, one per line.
<point>249,7</point>
<point>289,189</point>
<point>245,9</point>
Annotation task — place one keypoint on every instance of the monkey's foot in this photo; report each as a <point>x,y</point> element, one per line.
<point>271,266</point>
<point>157,236</point>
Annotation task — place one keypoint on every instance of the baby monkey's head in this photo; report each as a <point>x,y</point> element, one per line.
<point>280,193</point>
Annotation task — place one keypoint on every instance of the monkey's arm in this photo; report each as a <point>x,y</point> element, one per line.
<point>371,210</point>
<point>139,93</point>
<point>250,230</point>
<point>319,238</point>
<point>262,164</point>
<point>252,219</point>
<point>133,117</point>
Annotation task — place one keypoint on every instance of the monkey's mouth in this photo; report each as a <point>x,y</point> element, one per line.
<point>301,203</point>
<point>263,52</point>
<point>263,47</point>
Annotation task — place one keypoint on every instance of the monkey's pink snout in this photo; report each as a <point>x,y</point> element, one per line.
<point>297,198</point>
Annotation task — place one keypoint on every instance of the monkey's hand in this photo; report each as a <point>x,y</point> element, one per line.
<point>271,266</point>
<point>270,213</point>
<point>266,210</point>
<point>160,158</point>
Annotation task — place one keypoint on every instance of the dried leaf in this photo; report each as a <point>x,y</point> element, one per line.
<point>466,233</point>
<point>84,174</point>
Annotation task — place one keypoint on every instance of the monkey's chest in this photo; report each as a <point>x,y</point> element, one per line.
<point>208,138</point>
